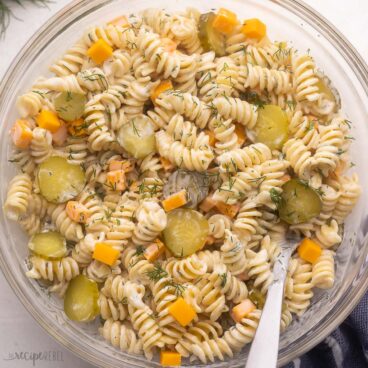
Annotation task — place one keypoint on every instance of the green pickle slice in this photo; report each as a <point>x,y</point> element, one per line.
<point>60,181</point>
<point>272,126</point>
<point>299,202</point>
<point>137,136</point>
<point>210,38</point>
<point>257,298</point>
<point>49,244</point>
<point>186,232</point>
<point>81,299</point>
<point>69,105</point>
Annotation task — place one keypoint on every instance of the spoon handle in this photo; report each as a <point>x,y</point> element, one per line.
<point>265,346</point>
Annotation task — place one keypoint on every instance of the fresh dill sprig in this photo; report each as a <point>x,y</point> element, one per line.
<point>275,197</point>
<point>178,288</point>
<point>6,13</point>
<point>223,277</point>
<point>157,273</point>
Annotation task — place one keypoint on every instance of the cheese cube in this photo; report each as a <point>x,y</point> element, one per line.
<point>242,310</point>
<point>77,212</point>
<point>77,128</point>
<point>228,209</point>
<point>105,254</point>
<point>207,204</point>
<point>182,312</point>
<point>309,250</point>
<point>121,21</point>
<point>225,21</point>
<point>170,358</point>
<point>153,251</point>
<point>115,180</point>
<point>254,28</point>
<point>175,201</point>
<point>161,88</point>
<point>48,120</point>
<point>21,134</point>
<point>100,51</point>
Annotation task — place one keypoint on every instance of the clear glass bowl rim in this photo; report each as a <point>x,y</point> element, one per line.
<point>345,48</point>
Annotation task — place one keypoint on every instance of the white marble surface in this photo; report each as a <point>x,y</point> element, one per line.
<point>18,331</point>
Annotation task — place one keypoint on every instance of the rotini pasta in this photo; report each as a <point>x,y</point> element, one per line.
<point>184,162</point>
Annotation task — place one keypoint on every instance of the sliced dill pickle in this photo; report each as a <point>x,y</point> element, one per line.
<point>299,202</point>
<point>60,181</point>
<point>50,244</point>
<point>186,232</point>
<point>325,86</point>
<point>257,298</point>
<point>81,299</point>
<point>69,105</point>
<point>211,39</point>
<point>272,126</point>
<point>137,136</point>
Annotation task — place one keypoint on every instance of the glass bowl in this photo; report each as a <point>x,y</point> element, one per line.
<point>285,19</point>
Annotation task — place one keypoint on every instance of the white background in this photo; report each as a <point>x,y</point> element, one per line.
<point>18,331</point>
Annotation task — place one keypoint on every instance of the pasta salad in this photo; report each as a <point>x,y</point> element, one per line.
<point>162,165</point>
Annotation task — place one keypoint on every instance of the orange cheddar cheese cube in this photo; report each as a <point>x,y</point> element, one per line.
<point>225,21</point>
<point>211,136</point>
<point>170,359</point>
<point>285,178</point>
<point>228,209</point>
<point>240,132</point>
<point>116,180</point>
<point>77,128</point>
<point>77,212</point>
<point>210,240</point>
<point>207,204</point>
<point>254,28</point>
<point>168,44</point>
<point>182,312</point>
<point>165,85</point>
<point>105,254</point>
<point>48,120</point>
<point>123,165</point>
<point>21,134</point>
<point>242,310</point>
<point>176,200</point>
<point>60,136</point>
<point>155,250</point>
<point>100,51</point>
<point>309,250</point>
<point>166,164</point>
<point>121,21</point>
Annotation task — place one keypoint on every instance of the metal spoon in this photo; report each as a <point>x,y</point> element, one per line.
<point>265,346</point>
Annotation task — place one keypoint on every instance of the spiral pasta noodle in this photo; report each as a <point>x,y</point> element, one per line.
<point>233,254</point>
<point>323,271</point>
<point>151,221</point>
<point>219,224</point>
<point>304,78</point>
<point>186,269</point>
<point>240,159</point>
<point>63,270</point>
<point>328,235</point>
<point>67,227</point>
<point>237,110</point>
<point>150,45</point>
<point>18,196</point>
<point>71,62</point>
<point>267,79</point>
<point>122,336</point>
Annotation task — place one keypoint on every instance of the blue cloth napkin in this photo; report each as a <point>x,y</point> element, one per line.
<point>346,347</point>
